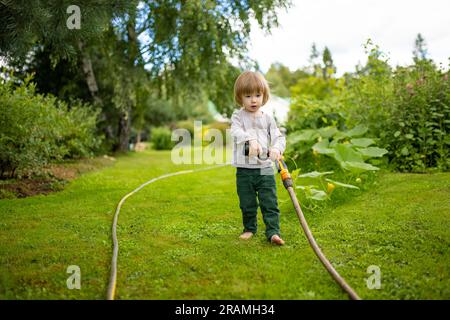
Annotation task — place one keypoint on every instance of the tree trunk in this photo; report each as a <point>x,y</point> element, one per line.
<point>125,116</point>
<point>13,172</point>
<point>91,81</point>
<point>124,130</point>
<point>138,137</point>
<point>88,73</point>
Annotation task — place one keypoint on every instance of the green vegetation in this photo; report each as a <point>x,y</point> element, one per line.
<point>406,109</point>
<point>161,138</point>
<point>182,242</point>
<point>144,64</point>
<point>37,129</point>
<point>74,100</point>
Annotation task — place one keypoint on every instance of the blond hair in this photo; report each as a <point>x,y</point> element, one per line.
<point>250,82</point>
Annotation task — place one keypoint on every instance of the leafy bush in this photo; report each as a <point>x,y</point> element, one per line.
<point>349,148</point>
<point>36,129</point>
<point>221,126</point>
<point>161,138</point>
<point>186,124</point>
<point>310,113</point>
<point>419,133</point>
<point>77,128</point>
<point>351,154</point>
<point>406,109</point>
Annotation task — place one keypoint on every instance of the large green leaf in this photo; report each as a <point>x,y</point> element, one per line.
<point>337,183</point>
<point>362,142</point>
<point>339,136</point>
<point>313,193</point>
<point>317,195</point>
<point>322,147</point>
<point>358,167</point>
<point>303,135</point>
<point>372,152</point>
<point>328,132</point>
<point>314,174</point>
<point>357,131</point>
<point>344,152</point>
<point>303,147</point>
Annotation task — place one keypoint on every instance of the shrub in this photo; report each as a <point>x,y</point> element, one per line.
<point>310,113</point>
<point>161,138</point>
<point>222,127</point>
<point>419,133</point>
<point>332,159</point>
<point>406,109</point>
<point>37,129</point>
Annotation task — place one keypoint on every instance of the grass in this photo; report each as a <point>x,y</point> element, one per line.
<point>51,178</point>
<point>179,239</point>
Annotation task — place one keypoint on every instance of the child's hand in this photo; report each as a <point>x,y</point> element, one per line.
<point>274,154</point>
<point>254,148</point>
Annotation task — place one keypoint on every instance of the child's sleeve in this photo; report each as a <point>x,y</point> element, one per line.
<point>278,141</point>
<point>237,129</point>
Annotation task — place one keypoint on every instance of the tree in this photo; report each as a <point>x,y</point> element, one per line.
<point>313,60</point>
<point>281,79</point>
<point>420,51</point>
<point>377,62</point>
<point>328,68</point>
<point>184,46</point>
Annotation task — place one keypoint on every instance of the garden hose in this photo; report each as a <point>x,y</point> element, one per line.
<point>288,184</point>
<point>113,277</point>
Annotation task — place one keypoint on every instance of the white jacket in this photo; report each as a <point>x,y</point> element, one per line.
<point>262,127</point>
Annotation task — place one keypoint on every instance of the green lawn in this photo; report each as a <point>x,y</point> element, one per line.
<point>179,239</point>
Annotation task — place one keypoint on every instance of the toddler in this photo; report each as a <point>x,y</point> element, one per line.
<point>255,179</point>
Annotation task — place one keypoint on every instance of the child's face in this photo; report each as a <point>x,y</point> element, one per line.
<point>252,102</point>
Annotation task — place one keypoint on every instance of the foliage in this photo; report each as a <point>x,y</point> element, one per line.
<point>161,138</point>
<point>405,109</point>
<point>313,113</point>
<point>349,150</point>
<point>177,50</point>
<point>36,129</point>
<point>281,79</point>
<point>176,226</point>
<point>316,88</point>
<point>419,130</point>
<point>27,23</point>
<point>222,127</point>
<point>368,94</point>
<point>205,135</point>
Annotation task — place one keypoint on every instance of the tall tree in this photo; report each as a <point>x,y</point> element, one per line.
<point>328,68</point>
<point>420,50</point>
<point>314,61</point>
<point>185,45</point>
<point>282,79</point>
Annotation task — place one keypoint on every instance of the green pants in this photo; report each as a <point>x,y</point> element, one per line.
<point>251,187</point>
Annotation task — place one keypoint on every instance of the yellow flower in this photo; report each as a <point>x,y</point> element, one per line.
<point>330,187</point>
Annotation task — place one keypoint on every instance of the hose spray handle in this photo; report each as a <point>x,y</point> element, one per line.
<point>284,173</point>
<point>280,164</point>
<point>263,156</point>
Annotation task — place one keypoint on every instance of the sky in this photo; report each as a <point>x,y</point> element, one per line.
<point>345,25</point>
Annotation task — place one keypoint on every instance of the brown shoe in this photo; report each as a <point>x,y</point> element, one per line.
<point>246,235</point>
<point>277,240</point>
